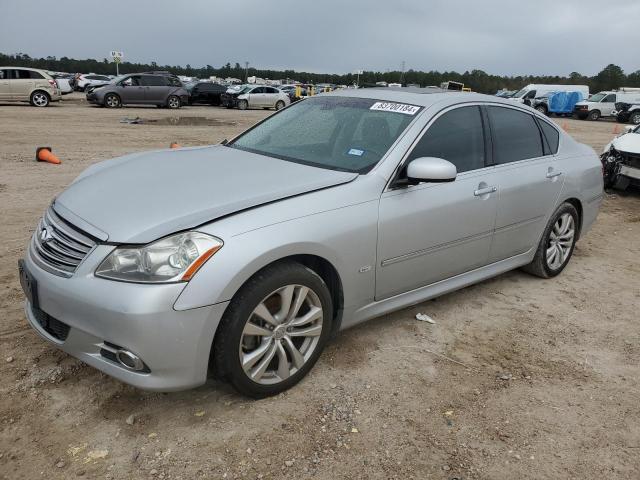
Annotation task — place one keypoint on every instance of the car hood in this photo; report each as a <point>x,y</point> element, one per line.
<point>628,143</point>
<point>141,197</point>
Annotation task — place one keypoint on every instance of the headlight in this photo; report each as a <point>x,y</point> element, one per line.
<point>172,259</point>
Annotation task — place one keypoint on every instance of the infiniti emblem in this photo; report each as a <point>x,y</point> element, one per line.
<point>45,235</point>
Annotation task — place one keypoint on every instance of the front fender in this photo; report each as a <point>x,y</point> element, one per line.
<point>345,237</point>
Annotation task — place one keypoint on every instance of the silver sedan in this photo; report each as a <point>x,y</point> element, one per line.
<point>242,260</point>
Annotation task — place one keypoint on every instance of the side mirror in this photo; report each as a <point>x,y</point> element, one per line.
<point>431,169</point>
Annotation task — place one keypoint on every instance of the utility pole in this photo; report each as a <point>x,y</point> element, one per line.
<point>246,72</point>
<point>402,74</point>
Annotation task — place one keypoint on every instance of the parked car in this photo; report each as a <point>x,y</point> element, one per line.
<point>143,89</point>
<point>531,91</point>
<point>621,160</point>
<point>31,85</point>
<point>84,82</point>
<point>63,81</point>
<point>205,92</point>
<point>255,96</point>
<point>627,112</point>
<point>245,258</point>
<point>603,104</point>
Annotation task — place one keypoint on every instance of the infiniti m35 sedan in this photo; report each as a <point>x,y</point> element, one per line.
<point>242,260</point>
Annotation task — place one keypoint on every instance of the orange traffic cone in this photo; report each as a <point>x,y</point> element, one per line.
<point>565,126</point>
<point>616,130</point>
<point>43,154</point>
<point>174,145</point>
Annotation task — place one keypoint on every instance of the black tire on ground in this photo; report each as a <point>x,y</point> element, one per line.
<point>539,266</point>
<point>594,115</point>
<point>279,104</point>
<point>173,102</point>
<point>243,104</point>
<point>39,99</point>
<point>225,354</point>
<point>635,118</point>
<point>112,100</point>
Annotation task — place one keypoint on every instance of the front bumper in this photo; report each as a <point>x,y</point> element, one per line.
<point>99,313</point>
<point>630,172</point>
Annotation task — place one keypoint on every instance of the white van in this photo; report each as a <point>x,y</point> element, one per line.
<point>603,104</point>
<point>535,90</point>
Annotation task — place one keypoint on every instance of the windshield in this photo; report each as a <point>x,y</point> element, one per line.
<point>521,93</point>
<point>120,78</point>
<point>597,97</point>
<point>338,133</point>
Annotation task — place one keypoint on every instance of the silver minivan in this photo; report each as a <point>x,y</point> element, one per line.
<point>243,259</point>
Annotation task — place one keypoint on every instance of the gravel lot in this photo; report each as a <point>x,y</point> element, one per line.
<point>520,378</point>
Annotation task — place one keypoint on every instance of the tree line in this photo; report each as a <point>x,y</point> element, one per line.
<point>611,77</point>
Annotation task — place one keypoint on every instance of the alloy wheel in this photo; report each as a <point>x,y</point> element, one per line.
<point>174,102</point>
<point>112,101</point>
<point>560,241</point>
<point>281,334</point>
<point>40,99</point>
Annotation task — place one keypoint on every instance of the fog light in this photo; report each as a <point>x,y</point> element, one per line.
<point>130,360</point>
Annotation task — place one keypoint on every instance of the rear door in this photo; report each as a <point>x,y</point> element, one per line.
<point>22,84</point>
<point>529,179</point>
<point>271,96</point>
<point>155,89</point>
<point>5,84</point>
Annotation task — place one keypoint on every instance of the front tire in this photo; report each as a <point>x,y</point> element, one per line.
<point>594,115</point>
<point>557,243</point>
<point>39,99</point>
<point>274,330</point>
<point>635,118</point>
<point>243,104</point>
<point>111,100</point>
<point>173,102</point>
<point>542,109</point>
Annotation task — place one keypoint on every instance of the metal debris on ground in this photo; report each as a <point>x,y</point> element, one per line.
<point>425,318</point>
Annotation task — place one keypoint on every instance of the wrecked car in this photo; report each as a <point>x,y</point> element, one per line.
<point>621,160</point>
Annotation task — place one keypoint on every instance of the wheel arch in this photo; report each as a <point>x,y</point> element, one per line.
<point>578,206</point>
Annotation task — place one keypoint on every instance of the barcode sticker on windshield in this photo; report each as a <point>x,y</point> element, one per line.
<point>395,107</point>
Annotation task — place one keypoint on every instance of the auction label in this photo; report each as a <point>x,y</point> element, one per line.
<point>395,107</point>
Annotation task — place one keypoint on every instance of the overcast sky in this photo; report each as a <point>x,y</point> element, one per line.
<point>509,37</point>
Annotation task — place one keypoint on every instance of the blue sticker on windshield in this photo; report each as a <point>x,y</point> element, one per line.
<point>355,151</point>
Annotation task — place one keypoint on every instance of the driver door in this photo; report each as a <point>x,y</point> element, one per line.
<point>131,90</point>
<point>256,97</point>
<point>433,231</point>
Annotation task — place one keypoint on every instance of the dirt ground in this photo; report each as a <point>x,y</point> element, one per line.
<point>520,378</point>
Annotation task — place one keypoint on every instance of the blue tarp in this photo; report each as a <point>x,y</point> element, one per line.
<point>564,102</point>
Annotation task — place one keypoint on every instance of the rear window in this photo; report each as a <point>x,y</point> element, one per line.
<point>153,81</point>
<point>551,135</point>
<point>515,134</point>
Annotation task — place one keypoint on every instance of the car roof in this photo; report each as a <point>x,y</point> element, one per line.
<point>423,97</point>
<point>26,68</point>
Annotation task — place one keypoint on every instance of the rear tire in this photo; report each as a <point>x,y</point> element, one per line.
<point>272,361</point>
<point>243,104</point>
<point>111,100</point>
<point>557,243</point>
<point>594,115</point>
<point>279,104</point>
<point>40,99</point>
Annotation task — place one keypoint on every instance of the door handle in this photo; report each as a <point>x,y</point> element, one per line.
<point>552,174</point>
<point>485,191</point>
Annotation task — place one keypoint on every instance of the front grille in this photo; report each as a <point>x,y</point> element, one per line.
<point>52,326</point>
<point>59,247</point>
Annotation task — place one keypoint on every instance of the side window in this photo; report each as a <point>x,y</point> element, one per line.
<point>531,94</point>
<point>257,90</point>
<point>457,136</point>
<point>36,75</point>
<point>515,135</point>
<point>610,98</point>
<point>175,82</point>
<point>22,74</point>
<point>552,136</point>
<point>153,81</point>
<point>271,90</point>
<point>135,80</point>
